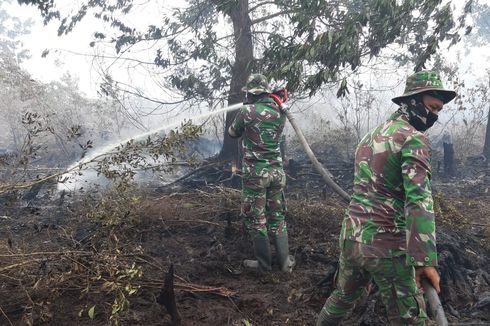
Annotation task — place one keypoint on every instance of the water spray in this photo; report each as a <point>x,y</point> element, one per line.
<point>112,148</point>
<point>107,149</point>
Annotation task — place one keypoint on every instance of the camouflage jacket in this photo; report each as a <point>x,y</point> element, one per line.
<point>261,125</point>
<point>391,209</point>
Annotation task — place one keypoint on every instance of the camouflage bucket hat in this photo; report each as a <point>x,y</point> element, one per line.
<point>426,81</point>
<point>257,84</point>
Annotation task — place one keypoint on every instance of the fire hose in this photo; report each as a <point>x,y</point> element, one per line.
<point>435,305</point>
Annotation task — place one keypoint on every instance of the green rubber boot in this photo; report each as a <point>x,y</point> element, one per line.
<point>262,251</point>
<point>286,261</point>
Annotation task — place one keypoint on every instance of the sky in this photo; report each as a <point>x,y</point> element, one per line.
<point>71,53</point>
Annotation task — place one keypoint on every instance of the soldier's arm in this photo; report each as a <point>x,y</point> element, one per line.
<point>419,212</point>
<point>236,128</point>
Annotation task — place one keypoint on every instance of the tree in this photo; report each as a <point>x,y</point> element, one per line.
<point>482,37</point>
<point>10,30</point>
<point>486,146</point>
<point>206,50</point>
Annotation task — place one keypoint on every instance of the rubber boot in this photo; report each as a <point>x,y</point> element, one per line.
<point>325,319</point>
<point>262,251</point>
<point>286,261</point>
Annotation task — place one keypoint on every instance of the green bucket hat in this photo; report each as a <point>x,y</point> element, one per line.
<point>425,81</point>
<point>257,84</point>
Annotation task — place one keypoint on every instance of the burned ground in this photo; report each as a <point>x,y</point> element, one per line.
<point>111,254</point>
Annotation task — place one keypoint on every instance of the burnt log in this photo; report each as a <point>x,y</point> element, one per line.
<point>448,159</point>
<point>167,297</point>
<point>486,145</point>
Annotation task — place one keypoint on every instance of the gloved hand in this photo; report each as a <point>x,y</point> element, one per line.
<point>282,92</point>
<point>429,273</point>
<point>285,107</point>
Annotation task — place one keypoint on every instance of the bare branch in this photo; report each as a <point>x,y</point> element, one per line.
<point>280,13</point>
<point>260,5</point>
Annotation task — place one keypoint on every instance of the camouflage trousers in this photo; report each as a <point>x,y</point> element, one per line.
<point>404,302</point>
<point>263,202</point>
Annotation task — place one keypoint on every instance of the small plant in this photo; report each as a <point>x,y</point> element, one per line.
<point>116,280</point>
<point>122,286</point>
<point>115,206</point>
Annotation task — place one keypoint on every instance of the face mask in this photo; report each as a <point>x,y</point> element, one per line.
<point>431,118</point>
<point>419,116</point>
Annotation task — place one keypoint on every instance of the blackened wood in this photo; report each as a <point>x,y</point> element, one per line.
<point>167,297</point>
<point>448,159</point>
<point>486,147</point>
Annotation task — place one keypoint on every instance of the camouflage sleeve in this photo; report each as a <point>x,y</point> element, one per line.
<point>419,212</point>
<point>236,128</point>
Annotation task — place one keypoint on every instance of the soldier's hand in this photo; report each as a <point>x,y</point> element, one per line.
<point>429,273</point>
<point>285,107</point>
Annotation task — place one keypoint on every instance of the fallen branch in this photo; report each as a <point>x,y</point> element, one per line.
<point>19,264</point>
<point>49,253</point>
<point>194,288</point>
<point>6,317</point>
<point>189,174</point>
<point>221,291</point>
<point>195,221</point>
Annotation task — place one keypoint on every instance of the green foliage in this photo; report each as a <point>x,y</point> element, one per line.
<point>115,206</point>
<point>121,286</point>
<point>115,212</point>
<point>91,312</point>
<point>307,43</point>
<point>206,50</point>
<point>329,39</point>
<point>120,164</point>
<point>117,280</point>
<point>43,5</point>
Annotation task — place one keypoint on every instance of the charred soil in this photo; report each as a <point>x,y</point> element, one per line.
<point>66,265</point>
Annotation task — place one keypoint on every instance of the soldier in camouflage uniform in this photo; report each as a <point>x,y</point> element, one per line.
<point>388,233</point>
<point>260,123</point>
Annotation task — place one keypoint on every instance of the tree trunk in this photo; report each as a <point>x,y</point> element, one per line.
<point>239,74</point>
<point>448,159</point>
<point>486,147</point>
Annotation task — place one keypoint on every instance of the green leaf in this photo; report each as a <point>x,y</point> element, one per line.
<point>312,52</point>
<point>343,90</point>
<point>80,313</point>
<point>246,322</point>
<point>91,312</point>
<point>187,205</point>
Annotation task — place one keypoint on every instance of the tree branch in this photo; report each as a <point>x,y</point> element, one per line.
<point>280,13</point>
<point>260,5</point>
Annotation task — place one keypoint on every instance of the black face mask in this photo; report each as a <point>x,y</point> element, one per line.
<point>419,116</point>
<point>254,98</point>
